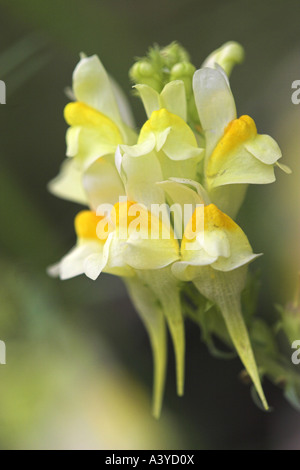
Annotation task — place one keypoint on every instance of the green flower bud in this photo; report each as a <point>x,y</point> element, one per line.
<point>144,72</point>
<point>227,57</point>
<point>161,66</point>
<point>184,71</point>
<point>173,54</point>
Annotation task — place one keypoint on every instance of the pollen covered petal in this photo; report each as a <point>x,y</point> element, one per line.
<point>242,156</point>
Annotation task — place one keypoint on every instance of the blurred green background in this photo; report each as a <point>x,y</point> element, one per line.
<point>73,379</point>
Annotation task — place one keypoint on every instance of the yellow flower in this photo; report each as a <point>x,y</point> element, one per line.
<point>166,148</point>
<point>136,245</point>
<point>235,155</point>
<point>99,121</point>
<point>215,253</point>
<point>153,247</point>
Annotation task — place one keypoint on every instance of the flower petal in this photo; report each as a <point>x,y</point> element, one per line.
<point>148,242</point>
<point>102,182</point>
<point>242,156</point>
<point>211,237</point>
<point>173,98</point>
<point>264,148</point>
<point>92,134</point>
<point>68,184</point>
<point>92,86</point>
<point>95,263</point>
<point>215,104</point>
<point>229,198</point>
<point>143,148</point>
<point>73,264</point>
<point>184,202</point>
<point>140,176</point>
<point>123,104</point>
<point>149,97</point>
<point>72,141</point>
<point>179,142</point>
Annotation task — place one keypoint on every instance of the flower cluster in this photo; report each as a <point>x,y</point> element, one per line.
<point>193,154</point>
